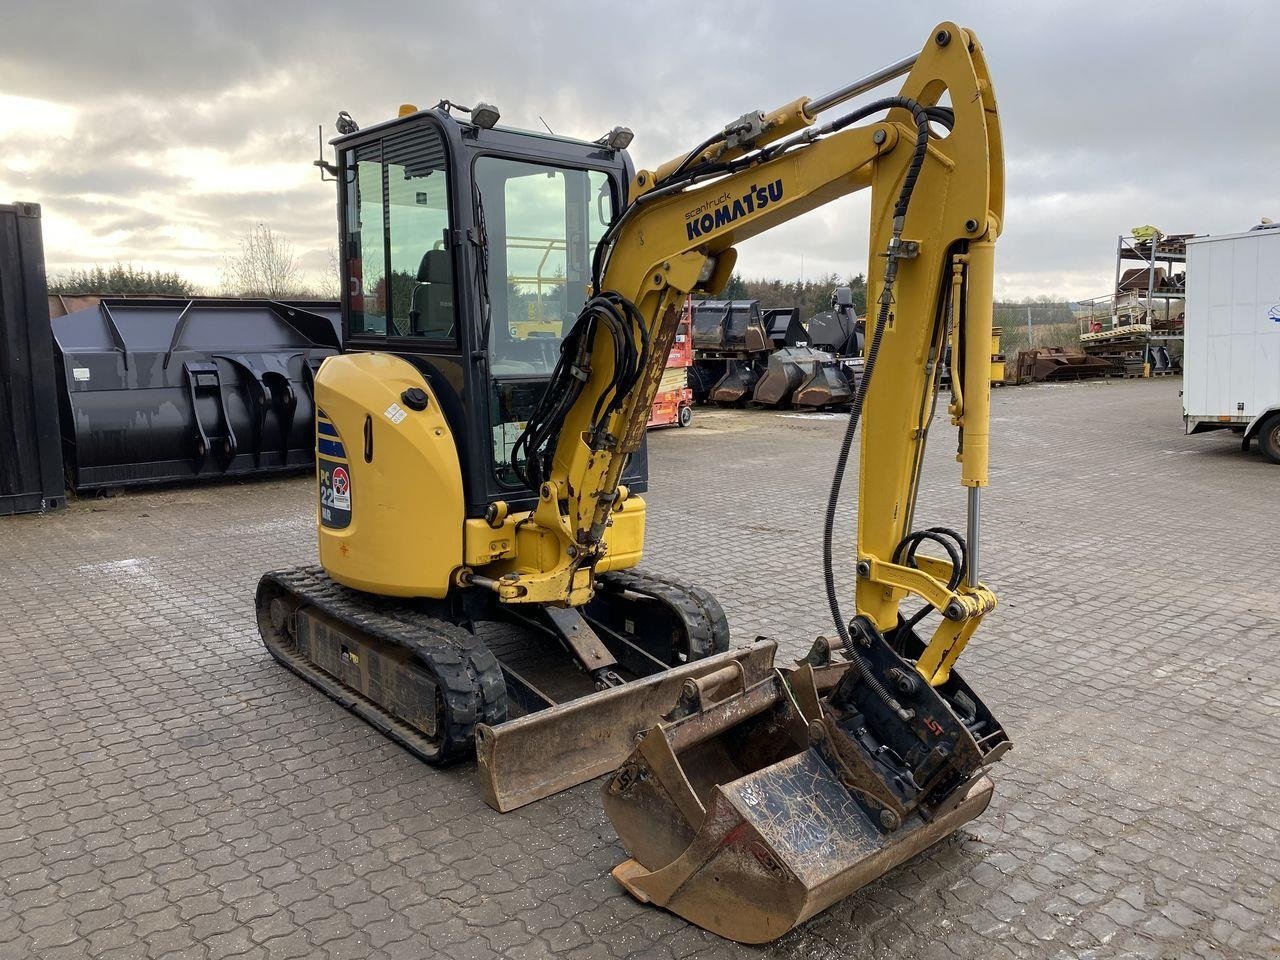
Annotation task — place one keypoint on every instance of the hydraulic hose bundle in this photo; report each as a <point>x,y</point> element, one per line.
<point>630,338</point>
<point>922,117</point>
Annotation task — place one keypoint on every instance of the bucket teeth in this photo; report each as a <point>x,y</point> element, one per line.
<point>767,804</point>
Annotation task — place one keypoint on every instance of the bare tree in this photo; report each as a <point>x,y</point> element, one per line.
<point>330,285</point>
<point>264,267</point>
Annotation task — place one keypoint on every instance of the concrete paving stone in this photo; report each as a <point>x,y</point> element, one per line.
<point>170,791</point>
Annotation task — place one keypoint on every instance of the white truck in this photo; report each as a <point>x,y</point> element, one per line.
<point>1231,365</point>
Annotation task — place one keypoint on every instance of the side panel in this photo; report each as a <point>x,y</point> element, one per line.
<point>1232,363</point>
<point>30,451</point>
<point>1196,332</point>
<point>389,485</point>
<point>1266,319</point>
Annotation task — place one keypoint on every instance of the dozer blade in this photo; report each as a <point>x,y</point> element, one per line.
<point>541,753</point>
<point>751,814</point>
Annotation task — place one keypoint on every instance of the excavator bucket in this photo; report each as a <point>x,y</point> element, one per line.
<point>783,373</point>
<point>549,750</point>
<point>734,388</point>
<point>830,385</point>
<point>756,807</point>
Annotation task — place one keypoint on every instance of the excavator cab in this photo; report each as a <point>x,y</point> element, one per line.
<point>466,251</point>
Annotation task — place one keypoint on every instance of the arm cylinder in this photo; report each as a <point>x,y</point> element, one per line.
<point>862,85</point>
<point>977,363</point>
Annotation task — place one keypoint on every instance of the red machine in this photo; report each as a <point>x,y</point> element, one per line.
<point>673,404</point>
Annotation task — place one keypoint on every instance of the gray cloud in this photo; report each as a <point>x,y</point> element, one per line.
<point>1113,114</point>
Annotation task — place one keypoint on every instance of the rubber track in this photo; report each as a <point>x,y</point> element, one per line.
<point>705,623</point>
<point>465,670</point>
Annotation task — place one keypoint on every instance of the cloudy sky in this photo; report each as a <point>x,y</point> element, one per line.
<point>158,132</point>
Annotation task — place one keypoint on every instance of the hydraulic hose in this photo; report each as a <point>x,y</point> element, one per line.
<point>921,116</point>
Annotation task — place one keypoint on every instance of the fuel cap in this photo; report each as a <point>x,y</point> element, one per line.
<point>415,398</point>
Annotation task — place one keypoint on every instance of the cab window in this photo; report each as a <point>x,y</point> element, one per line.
<point>542,224</point>
<point>398,252</point>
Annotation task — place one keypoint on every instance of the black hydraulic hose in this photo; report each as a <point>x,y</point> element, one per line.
<point>630,341</point>
<point>921,117</point>
<point>950,541</point>
<point>694,154</point>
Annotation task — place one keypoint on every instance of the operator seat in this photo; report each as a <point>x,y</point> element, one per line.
<point>431,310</point>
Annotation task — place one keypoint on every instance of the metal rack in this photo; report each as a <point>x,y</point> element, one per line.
<point>1154,254</point>
<point>1135,327</point>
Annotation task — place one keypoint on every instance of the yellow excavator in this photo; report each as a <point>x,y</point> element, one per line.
<point>480,493</point>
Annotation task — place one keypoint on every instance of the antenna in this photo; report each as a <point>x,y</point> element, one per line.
<point>324,165</point>
<point>547,125</point>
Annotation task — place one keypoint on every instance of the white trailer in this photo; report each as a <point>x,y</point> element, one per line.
<point>1231,365</point>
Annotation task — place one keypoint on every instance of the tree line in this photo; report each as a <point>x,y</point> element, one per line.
<point>811,296</point>
<point>121,278</point>
<point>264,265</point>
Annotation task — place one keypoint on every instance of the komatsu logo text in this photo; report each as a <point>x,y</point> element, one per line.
<point>723,210</point>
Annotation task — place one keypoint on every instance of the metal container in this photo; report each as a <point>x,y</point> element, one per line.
<point>158,390</point>
<point>30,455</point>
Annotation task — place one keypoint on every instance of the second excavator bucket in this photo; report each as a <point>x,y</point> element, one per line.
<point>734,388</point>
<point>787,369</point>
<point>750,813</point>
<point>830,385</point>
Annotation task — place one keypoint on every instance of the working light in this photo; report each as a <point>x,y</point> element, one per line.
<point>484,115</point>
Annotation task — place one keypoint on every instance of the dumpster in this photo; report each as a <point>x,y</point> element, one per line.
<point>166,390</point>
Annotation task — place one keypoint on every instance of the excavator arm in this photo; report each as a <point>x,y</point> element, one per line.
<point>937,196</point>
<point>755,804</point>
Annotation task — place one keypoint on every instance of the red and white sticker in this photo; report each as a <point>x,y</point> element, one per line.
<point>340,489</point>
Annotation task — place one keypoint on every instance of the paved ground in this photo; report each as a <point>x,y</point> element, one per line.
<point>168,791</point>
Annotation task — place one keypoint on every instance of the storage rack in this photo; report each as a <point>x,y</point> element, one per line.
<point>1138,336</point>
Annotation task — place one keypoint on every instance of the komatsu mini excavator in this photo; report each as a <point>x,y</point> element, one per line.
<point>509,301</point>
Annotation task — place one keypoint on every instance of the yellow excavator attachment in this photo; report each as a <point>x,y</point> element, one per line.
<point>758,805</point>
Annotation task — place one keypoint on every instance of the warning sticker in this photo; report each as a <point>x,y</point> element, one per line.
<point>395,413</point>
<point>335,494</point>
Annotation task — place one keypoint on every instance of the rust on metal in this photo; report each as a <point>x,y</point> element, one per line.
<point>1054,364</point>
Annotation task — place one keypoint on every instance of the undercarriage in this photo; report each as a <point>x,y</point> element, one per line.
<point>556,696</point>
